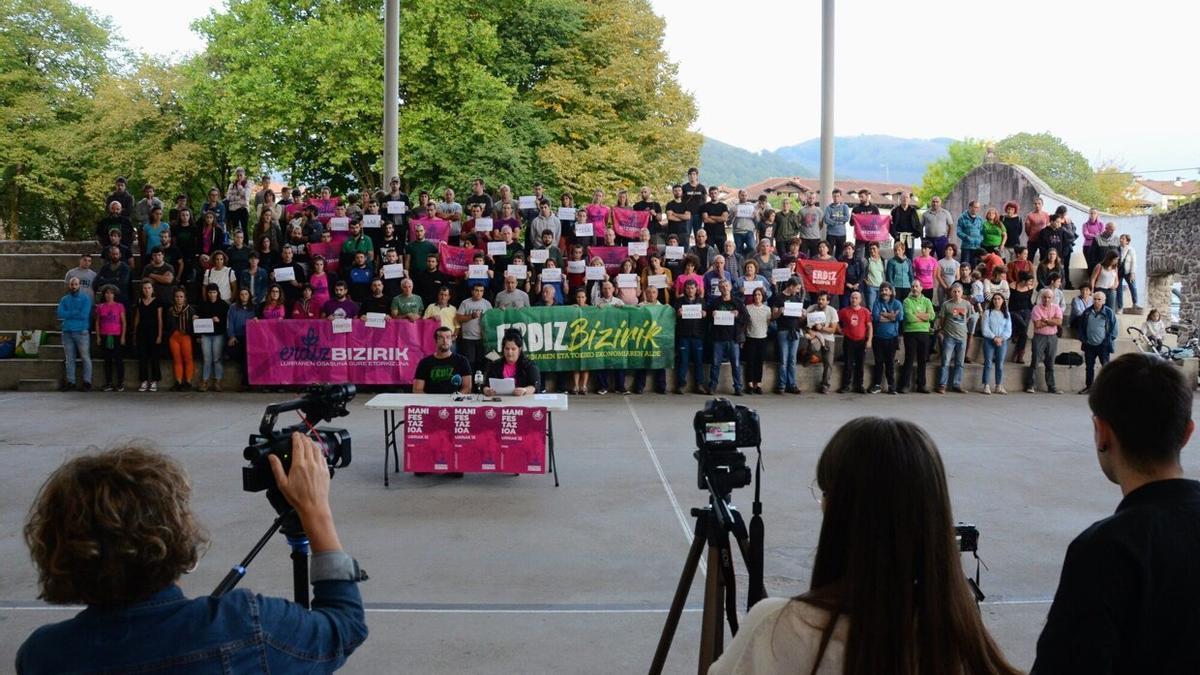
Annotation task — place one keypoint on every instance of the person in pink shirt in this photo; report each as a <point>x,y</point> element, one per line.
<point>690,266</point>
<point>598,214</point>
<point>321,281</point>
<point>110,333</point>
<point>924,267</point>
<point>1046,317</point>
<point>1092,227</point>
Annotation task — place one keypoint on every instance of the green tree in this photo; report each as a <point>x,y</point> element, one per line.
<point>1065,170</point>
<point>942,175</point>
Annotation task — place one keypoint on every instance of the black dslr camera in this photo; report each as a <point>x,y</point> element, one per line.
<point>721,428</point>
<point>320,403</point>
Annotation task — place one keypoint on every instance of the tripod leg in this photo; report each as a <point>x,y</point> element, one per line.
<point>681,593</point>
<point>712,626</point>
<point>300,569</point>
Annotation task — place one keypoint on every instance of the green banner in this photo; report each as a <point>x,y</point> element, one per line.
<point>589,338</point>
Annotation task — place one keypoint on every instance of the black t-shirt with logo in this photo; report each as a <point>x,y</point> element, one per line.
<point>437,373</point>
<point>694,197</point>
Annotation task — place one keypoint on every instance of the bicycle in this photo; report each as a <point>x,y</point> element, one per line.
<point>1150,345</point>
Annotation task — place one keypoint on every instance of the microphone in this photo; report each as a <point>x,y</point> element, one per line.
<point>456,382</point>
<point>478,381</point>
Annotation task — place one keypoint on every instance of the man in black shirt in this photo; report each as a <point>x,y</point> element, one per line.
<point>1129,597</point>
<point>689,337</point>
<point>658,233</point>
<point>693,198</point>
<point>376,302</point>
<point>716,214</point>
<point>122,197</point>
<point>864,204</point>
<point>679,219</point>
<point>906,223</point>
<point>478,196</point>
<point>435,373</point>
<point>399,220</point>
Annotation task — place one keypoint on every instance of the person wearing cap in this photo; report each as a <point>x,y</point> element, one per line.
<point>120,194</point>
<point>237,199</point>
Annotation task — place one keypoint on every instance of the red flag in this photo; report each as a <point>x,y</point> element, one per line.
<point>455,259</point>
<point>436,229</point>
<point>629,223</point>
<point>823,275</point>
<point>871,227</point>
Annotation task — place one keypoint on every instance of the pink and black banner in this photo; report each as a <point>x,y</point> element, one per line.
<point>629,223</point>
<point>482,439</point>
<point>612,256</point>
<point>300,351</point>
<point>456,260</point>
<point>436,229</point>
<point>870,227</point>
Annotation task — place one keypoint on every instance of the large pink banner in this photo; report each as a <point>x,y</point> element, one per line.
<point>330,251</point>
<point>296,351</point>
<point>870,227</point>
<point>481,439</point>
<point>436,229</point>
<point>456,260</point>
<point>326,208</point>
<point>629,223</point>
<point>612,256</point>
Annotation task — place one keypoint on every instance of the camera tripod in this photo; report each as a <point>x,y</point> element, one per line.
<point>714,524</point>
<point>289,523</point>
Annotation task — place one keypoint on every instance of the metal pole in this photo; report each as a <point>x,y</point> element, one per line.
<point>391,90</point>
<point>826,101</point>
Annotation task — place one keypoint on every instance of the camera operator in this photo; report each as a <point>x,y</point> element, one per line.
<point>888,593</point>
<point>114,531</point>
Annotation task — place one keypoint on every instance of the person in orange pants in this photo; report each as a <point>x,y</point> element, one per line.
<point>179,325</point>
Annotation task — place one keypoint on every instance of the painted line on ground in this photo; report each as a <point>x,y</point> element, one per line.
<point>683,521</point>
<point>423,608</point>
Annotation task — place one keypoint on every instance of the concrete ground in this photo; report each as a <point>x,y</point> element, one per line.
<point>494,574</point>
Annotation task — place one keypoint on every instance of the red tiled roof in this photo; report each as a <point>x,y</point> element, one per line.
<point>1168,187</point>
<point>792,184</point>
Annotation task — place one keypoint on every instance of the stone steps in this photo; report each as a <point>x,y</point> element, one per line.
<point>37,265</point>
<point>46,246</point>
<point>22,291</point>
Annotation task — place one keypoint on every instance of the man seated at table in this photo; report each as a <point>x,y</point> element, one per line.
<point>515,366</point>
<point>435,373</point>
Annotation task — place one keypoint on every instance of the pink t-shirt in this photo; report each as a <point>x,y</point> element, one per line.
<point>320,284</point>
<point>598,217</point>
<point>924,267</point>
<point>1041,312</point>
<point>682,279</point>
<point>109,315</point>
<point>509,370</point>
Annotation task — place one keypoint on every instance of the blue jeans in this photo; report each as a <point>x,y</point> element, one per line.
<point>77,343</point>
<point>953,353</point>
<point>1123,280</point>
<point>721,351</point>
<point>870,295</point>
<point>994,354</point>
<point>788,345</point>
<point>690,350</point>
<point>213,348</point>
<point>744,243</point>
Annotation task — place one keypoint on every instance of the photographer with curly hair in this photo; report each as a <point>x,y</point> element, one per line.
<point>115,531</point>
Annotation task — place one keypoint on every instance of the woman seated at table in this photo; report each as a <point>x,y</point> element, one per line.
<point>514,365</point>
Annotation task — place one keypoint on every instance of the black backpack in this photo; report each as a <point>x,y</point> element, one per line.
<point>1069,359</point>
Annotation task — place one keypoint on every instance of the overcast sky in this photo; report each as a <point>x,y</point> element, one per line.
<point>1117,81</point>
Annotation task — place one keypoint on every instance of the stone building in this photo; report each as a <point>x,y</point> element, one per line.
<point>1172,252</point>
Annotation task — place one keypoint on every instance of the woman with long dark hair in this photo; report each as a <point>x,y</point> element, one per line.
<point>997,329</point>
<point>887,593</point>
<point>514,365</point>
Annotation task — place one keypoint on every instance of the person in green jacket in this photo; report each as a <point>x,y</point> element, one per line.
<point>918,315</point>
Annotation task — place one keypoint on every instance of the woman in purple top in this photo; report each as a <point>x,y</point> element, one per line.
<point>1091,228</point>
<point>273,307</point>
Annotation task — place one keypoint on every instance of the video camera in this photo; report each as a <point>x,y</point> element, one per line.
<point>320,403</point>
<point>721,429</point>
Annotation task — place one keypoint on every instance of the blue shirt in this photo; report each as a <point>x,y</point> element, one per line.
<point>997,324</point>
<point>75,312</point>
<point>970,230</point>
<point>236,320</point>
<point>836,217</point>
<point>887,329</point>
<point>152,236</point>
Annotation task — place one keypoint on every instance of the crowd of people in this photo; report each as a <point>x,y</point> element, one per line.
<point>205,271</point>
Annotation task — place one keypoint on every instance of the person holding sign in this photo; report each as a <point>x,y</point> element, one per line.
<point>212,342</point>
<point>726,311</point>
<point>758,318</point>
<point>657,276</point>
<point>607,376</point>
<point>689,336</point>
<point>546,222</point>
<point>628,283</point>
<point>515,366</point>
<point>470,341</point>
<point>821,325</point>
<point>179,324</point>
<point>752,281</point>
<point>375,303</point>
<point>546,243</point>
<point>744,227</point>
<point>714,277</point>
<point>787,308</point>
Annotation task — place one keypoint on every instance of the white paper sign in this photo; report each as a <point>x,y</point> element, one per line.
<point>372,221</point>
<point>483,225</point>
<point>596,273</point>
<point>745,210</point>
<point>551,274</point>
<point>656,281</point>
<point>722,318</point>
<point>638,248</point>
<point>502,385</point>
<point>627,281</point>
<point>202,326</point>
<point>674,253</point>
<point>780,274</point>
<point>816,318</point>
<point>283,274</point>
<point>793,309</point>
<point>394,208</point>
<point>342,326</point>
<point>518,271</point>
<point>477,271</point>
<point>576,266</point>
<point>376,320</point>
<point>527,202</point>
<point>584,230</point>
<point>691,311</point>
<point>539,256</point>
<point>566,213</point>
<point>750,285</point>
<point>393,271</point>
<point>497,248</point>
<point>339,224</point>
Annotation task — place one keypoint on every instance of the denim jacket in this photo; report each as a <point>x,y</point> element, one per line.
<point>240,632</point>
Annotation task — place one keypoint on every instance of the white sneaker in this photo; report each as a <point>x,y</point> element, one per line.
<point>1000,390</point>
<point>153,386</point>
<point>144,386</point>
<point>986,390</point>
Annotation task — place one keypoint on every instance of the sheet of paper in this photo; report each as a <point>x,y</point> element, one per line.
<point>722,317</point>
<point>674,253</point>
<point>539,256</point>
<point>657,280</point>
<point>339,224</point>
<point>497,248</point>
<point>750,285</point>
<point>545,397</point>
<point>395,208</point>
<point>372,221</point>
<point>393,271</point>
<point>576,266</point>
<point>816,318</point>
<point>691,311</point>
<point>627,281</point>
<point>342,326</point>
<point>638,248</point>
<point>502,385</point>
<point>483,224</point>
<point>584,230</point>
<point>793,309</point>
<point>376,320</point>
<point>596,273</point>
<point>551,274</point>
<point>518,271</point>
<point>566,213</point>
<point>527,202</point>
<point>745,210</point>
<point>203,326</point>
<point>780,274</point>
<point>283,274</point>
<point>477,271</point>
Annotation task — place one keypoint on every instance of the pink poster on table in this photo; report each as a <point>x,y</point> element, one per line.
<point>871,227</point>
<point>477,439</point>
<point>456,260</point>
<point>428,439</point>
<point>523,440</point>
<point>612,256</point>
<point>326,208</point>
<point>305,351</point>
<point>436,229</point>
<point>629,223</point>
